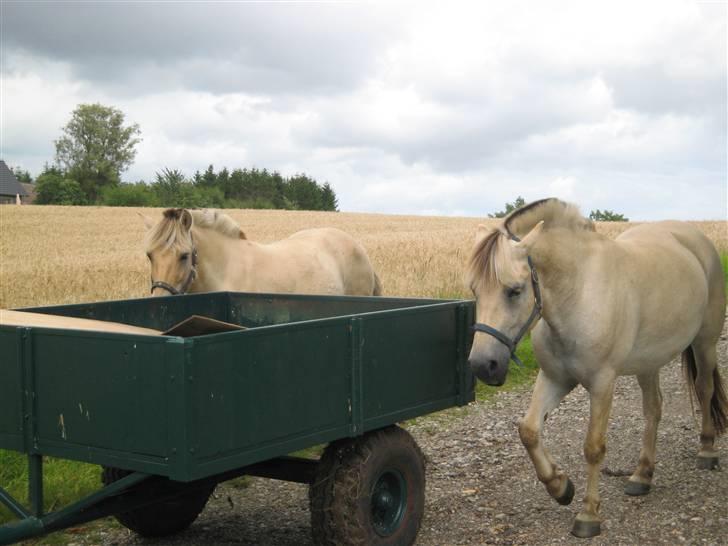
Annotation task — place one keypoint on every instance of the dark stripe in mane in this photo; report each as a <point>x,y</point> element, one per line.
<point>523,210</point>
<point>173,214</point>
<point>482,266</point>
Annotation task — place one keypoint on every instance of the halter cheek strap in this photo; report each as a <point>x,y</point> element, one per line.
<point>535,314</point>
<point>188,282</point>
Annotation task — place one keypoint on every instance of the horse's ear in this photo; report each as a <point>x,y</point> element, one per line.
<point>481,232</point>
<point>528,241</point>
<point>148,222</point>
<point>185,219</point>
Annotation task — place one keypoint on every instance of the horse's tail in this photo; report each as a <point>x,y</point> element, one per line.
<point>719,402</point>
<point>377,286</point>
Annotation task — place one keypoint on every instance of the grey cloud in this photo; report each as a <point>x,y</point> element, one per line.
<point>268,48</point>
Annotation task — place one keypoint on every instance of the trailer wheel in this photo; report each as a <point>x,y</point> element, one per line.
<point>161,518</point>
<point>369,490</point>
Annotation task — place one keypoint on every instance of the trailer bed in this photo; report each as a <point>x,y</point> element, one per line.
<point>306,371</point>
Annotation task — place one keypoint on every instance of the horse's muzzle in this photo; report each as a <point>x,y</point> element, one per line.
<point>491,372</point>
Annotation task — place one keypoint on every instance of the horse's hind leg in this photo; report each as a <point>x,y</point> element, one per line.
<point>710,396</point>
<point>641,481</point>
<point>547,394</point>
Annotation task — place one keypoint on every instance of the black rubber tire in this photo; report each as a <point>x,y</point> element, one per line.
<point>341,494</point>
<point>162,518</point>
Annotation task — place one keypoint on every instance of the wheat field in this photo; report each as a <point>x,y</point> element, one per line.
<point>56,255</point>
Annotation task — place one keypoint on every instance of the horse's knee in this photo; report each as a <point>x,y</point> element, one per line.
<point>528,434</point>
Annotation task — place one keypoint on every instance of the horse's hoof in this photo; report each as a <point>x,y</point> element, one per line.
<point>568,495</point>
<point>586,529</point>
<point>707,463</point>
<point>637,488</point>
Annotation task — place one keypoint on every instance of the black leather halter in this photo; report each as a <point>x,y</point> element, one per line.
<point>186,285</point>
<point>535,313</point>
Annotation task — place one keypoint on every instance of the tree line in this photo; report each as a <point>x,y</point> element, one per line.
<point>97,146</point>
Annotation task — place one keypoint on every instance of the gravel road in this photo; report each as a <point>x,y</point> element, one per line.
<point>482,489</point>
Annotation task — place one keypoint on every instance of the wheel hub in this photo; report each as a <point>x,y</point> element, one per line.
<point>388,502</point>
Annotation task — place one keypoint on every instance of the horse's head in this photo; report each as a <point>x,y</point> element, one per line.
<point>171,252</point>
<point>505,288</point>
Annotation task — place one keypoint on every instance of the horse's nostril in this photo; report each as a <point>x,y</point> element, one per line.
<point>492,365</point>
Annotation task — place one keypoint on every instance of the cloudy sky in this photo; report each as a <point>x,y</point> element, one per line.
<point>447,108</point>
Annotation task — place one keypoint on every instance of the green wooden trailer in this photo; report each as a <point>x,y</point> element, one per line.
<point>169,417</point>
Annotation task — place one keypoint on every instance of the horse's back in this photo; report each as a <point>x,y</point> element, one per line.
<point>340,253</point>
<point>673,240</point>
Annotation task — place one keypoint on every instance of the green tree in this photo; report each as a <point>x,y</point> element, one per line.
<point>328,198</point>
<point>170,187</point>
<point>96,147</point>
<point>510,207</point>
<point>22,175</point>
<point>53,188</point>
<point>607,216</point>
<point>304,193</point>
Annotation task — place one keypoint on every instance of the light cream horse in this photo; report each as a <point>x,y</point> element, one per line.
<point>607,308</point>
<point>204,250</point>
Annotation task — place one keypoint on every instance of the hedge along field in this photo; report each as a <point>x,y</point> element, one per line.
<point>57,255</point>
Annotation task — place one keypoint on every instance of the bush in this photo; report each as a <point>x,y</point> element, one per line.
<point>510,207</point>
<point>607,216</point>
<point>53,188</point>
<point>128,195</point>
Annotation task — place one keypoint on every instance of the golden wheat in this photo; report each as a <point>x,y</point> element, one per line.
<point>52,255</point>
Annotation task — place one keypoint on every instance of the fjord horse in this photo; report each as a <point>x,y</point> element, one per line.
<point>602,308</point>
<point>205,250</point>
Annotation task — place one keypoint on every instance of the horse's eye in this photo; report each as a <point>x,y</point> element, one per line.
<point>184,256</point>
<point>513,293</point>
<point>149,256</point>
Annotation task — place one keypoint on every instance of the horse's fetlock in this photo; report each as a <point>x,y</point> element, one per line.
<point>646,468</point>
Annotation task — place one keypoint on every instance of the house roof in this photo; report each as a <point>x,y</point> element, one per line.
<point>9,185</point>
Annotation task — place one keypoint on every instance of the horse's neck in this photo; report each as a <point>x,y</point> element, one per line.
<point>214,251</point>
<point>560,257</point>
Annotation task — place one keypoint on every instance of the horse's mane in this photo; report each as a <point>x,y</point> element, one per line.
<point>170,233</point>
<point>490,261</point>
<point>222,223</point>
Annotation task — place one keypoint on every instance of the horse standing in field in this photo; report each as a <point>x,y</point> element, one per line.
<point>204,251</point>
<point>607,308</point>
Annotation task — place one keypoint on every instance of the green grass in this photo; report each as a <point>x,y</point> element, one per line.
<point>724,261</point>
<point>517,376</point>
<point>64,481</point>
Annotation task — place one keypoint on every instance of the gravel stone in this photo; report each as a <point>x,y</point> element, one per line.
<point>482,489</point>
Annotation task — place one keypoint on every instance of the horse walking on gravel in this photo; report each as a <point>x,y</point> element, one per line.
<point>205,250</point>
<point>607,308</point>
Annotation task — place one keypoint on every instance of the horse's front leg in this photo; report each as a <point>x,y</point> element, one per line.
<point>587,523</point>
<point>547,393</point>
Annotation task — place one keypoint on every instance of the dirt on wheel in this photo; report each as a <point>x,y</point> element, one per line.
<point>482,489</point>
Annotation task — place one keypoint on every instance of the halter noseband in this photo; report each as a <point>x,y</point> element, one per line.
<point>190,278</point>
<point>535,313</point>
